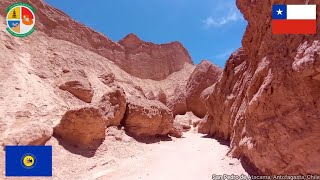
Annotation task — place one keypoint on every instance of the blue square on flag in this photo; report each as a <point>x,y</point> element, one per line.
<point>28,160</point>
<point>279,11</point>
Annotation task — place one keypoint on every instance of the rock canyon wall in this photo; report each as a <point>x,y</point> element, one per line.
<point>267,100</point>
<point>68,81</point>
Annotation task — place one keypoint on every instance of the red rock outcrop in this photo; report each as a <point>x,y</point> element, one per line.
<point>141,59</point>
<point>148,60</point>
<point>113,105</point>
<point>83,128</point>
<point>76,82</point>
<point>267,101</point>
<point>203,76</point>
<point>147,117</point>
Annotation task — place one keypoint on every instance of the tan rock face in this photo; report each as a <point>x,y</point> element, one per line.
<point>204,75</point>
<point>222,97</point>
<point>204,125</point>
<point>113,106</point>
<point>147,118</point>
<point>267,101</point>
<point>77,83</point>
<point>31,133</point>
<point>177,101</point>
<point>83,128</point>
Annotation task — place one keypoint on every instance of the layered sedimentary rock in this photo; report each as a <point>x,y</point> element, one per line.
<point>267,101</point>
<point>204,75</point>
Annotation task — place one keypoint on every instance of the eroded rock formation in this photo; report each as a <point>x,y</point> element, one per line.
<point>204,75</point>
<point>113,105</point>
<point>83,128</point>
<point>147,117</point>
<point>77,83</point>
<point>267,101</point>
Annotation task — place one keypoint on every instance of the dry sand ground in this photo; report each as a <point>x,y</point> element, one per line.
<point>193,157</point>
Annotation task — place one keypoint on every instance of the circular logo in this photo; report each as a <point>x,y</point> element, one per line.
<point>20,19</point>
<point>28,161</point>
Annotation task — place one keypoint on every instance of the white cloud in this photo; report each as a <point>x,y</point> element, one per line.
<point>233,15</point>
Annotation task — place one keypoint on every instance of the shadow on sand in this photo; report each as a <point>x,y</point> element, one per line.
<point>250,168</point>
<point>78,150</point>
<point>150,139</point>
<point>220,140</point>
<point>246,164</point>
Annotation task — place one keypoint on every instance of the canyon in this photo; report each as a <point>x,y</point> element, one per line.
<point>134,109</point>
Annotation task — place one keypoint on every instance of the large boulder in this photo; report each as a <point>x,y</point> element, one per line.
<point>113,105</point>
<point>204,75</point>
<point>147,117</point>
<point>177,102</point>
<point>267,101</point>
<point>30,133</point>
<point>83,128</point>
<point>76,82</point>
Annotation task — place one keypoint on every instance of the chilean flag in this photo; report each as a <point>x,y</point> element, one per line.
<point>294,19</point>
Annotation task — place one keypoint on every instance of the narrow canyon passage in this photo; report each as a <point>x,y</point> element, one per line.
<point>192,157</point>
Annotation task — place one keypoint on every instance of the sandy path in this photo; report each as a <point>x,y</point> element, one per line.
<point>190,158</point>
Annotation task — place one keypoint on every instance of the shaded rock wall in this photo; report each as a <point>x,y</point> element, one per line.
<point>268,99</point>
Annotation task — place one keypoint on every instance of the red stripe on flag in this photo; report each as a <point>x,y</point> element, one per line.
<point>294,26</point>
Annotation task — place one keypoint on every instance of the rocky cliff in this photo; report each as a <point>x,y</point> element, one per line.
<point>267,101</point>
<point>66,75</point>
<point>131,54</point>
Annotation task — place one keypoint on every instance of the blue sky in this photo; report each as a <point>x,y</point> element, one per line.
<point>209,29</point>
